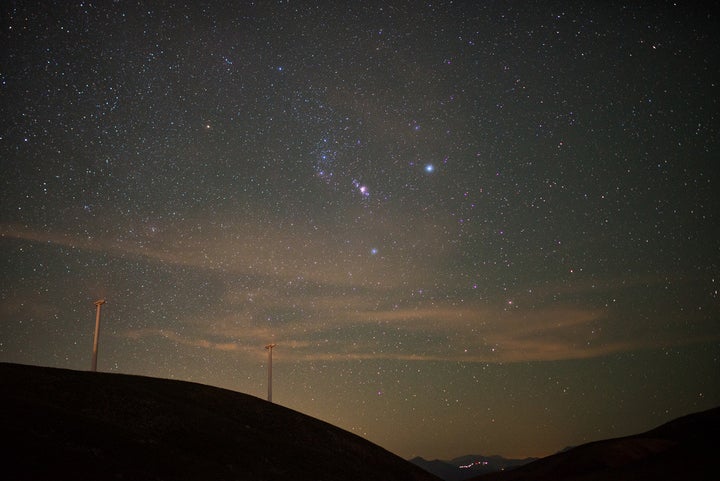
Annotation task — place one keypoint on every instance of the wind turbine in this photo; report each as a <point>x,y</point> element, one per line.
<point>98,303</point>
<point>269,347</point>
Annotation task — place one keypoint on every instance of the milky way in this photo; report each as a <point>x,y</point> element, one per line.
<point>470,227</point>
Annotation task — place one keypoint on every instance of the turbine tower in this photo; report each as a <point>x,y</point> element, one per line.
<point>269,347</point>
<point>98,303</point>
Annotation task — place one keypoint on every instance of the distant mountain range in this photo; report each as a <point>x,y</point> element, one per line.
<point>466,467</point>
<point>62,425</point>
<point>683,449</point>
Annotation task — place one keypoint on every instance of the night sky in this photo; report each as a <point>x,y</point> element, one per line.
<point>470,227</point>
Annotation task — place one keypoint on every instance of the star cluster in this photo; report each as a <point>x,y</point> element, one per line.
<point>469,227</point>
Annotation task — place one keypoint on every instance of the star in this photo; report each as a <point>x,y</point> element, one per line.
<point>361,188</point>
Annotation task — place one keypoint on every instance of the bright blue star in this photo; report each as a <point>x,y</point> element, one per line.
<point>429,168</point>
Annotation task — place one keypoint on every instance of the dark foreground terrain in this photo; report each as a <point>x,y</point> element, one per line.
<point>683,449</point>
<point>70,425</point>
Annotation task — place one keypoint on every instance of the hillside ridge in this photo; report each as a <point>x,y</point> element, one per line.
<point>683,448</point>
<point>64,424</point>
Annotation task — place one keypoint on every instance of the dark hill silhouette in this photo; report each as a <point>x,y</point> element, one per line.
<point>683,449</point>
<point>60,424</point>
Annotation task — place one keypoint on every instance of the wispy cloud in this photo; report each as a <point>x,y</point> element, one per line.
<point>326,303</point>
<point>302,253</point>
<point>482,335</point>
